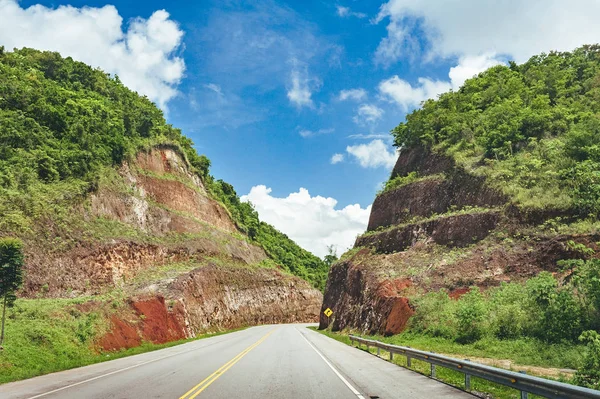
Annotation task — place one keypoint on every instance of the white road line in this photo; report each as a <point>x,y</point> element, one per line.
<point>341,377</point>
<point>117,371</point>
<point>107,374</point>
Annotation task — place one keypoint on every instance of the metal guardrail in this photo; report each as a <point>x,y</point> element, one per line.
<point>520,381</point>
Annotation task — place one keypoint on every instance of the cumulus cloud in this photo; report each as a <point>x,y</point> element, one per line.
<point>470,66</point>
<point>352,94</point>
<point>406,95</point>
<point>367,114</point>
<point>337,158</point>
<point>374,154</point>
<point>411,96</point>
<point>144,55</point>
<point>518,28</point>
<point>312,222</point>
<point>346,12</point>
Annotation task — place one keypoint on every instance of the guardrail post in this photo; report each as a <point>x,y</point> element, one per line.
<point>391,356</point>
<point>467,382</point>
<point>378,351</point>
<point>524,394</point>
<point>432,370</point>
<point>408,361</point>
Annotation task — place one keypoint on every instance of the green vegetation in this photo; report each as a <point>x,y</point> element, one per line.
<point>64,126</point>
<point>411,177</point>
<point>49,335</point>
<point>11,274</point>
<point>532,129</point>
<point>543,309</point>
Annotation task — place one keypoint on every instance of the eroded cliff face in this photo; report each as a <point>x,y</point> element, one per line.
<point>209,299</point>
<point>174,255</point>
<point>448,230</point>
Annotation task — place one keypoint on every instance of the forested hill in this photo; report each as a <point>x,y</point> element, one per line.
<point>533,130</point>
<point>62,123</point>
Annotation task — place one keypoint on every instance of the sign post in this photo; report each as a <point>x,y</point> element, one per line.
<point>328,312</point>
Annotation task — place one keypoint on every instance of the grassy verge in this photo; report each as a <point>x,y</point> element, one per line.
<point>479,386</point>
<point>49,335</point>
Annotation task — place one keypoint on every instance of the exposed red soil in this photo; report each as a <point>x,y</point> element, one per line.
<point>159,325</point>
<point>122,335</point>
<point>399,315</point>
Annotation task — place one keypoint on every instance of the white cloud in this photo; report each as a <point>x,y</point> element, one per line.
<point>310,133</point>
<point>368,114</point>
<point>409,96</point>
<point>374,154</point>
<point>300,93</point>
<point>144,55</point>
<point>345,12</point>
<point>470,66</point>
<point>337,158</point>
<point>214,87</point>
<point>352,94</point>
<point>312,222</point>
<point>518,28</point>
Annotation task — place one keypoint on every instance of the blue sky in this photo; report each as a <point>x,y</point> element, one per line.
<point>271,91</point>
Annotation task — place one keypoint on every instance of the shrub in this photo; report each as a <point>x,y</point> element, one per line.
<point>435,315</point>
<point>588,374</point>
<point>471,314</point>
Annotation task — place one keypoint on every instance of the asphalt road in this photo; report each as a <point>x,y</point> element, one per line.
<point>282,361</point>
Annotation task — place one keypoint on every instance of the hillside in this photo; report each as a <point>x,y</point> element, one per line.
<point>488,226</point>
<point>128,238</point>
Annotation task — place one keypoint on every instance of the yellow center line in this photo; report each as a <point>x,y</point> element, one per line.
<point>195,391</point>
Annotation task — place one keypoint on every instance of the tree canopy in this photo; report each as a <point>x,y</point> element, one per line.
<point>533,129</point>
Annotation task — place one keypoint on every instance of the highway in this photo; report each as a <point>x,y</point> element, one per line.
<point>279,361</point>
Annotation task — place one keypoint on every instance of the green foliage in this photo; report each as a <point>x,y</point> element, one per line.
<point>399,181</point>
<point>471,316</point>
<point>11,265</point>
<point>64,124</point>
<point>542,308</point>
<point>588,374</point>
<point>533,129</point>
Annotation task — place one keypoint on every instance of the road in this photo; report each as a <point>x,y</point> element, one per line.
<point>281,361</point>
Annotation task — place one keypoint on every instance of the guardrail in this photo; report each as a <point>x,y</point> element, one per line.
<point>520,381</point>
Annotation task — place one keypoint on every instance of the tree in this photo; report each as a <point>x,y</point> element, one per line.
<point>331,256</point>
<point>11,275</point>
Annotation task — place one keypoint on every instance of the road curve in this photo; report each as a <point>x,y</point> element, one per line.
<point>281,361</point>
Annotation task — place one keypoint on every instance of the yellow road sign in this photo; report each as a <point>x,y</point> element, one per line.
<point>328,312</point>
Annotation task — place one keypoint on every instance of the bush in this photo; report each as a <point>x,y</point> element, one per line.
<point>588,374</point>
<point>471,315</point>
<point>435,315</point>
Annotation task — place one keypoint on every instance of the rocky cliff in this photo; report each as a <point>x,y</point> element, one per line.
<point>180,266</point>
<point>447,229</point>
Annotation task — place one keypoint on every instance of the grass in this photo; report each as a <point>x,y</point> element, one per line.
<point>49,335</point>
<point>451,377</point>
<point>467,210</point>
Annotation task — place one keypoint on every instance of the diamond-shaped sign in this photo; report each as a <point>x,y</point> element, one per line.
<point>328,312</point>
